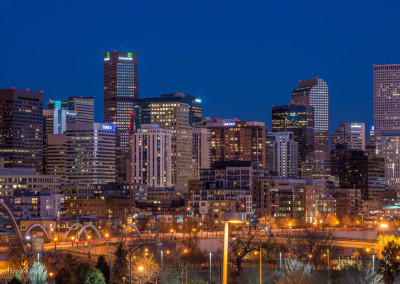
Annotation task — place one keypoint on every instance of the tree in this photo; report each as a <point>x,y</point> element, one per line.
<point>241,247</point>
<point>16,254</point>
<point>81,271</point>
<point>331,220</point>
<point>120,267</point>
<point>175,273</point>
<point>294,271</point>
<point>37,273</point>
<point>346,221</point>
<point>390,261</point>
<point>94,276</point>
<point>355,275</point>
<point>104,268</point>
<point>64,276</point>
<point>310,245</point>
<point>145,269</point>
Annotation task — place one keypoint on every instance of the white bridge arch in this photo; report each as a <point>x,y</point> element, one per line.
<point>13,222</point>
<point>84,230</point>
<point>134,229</point>
<point>36,225</point>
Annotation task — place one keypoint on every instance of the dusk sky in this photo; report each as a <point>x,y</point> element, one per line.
<point>239,57</point>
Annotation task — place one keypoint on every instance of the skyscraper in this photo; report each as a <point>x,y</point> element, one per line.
<point>314,92</point>
<point>282,154</point>
<point>386,99</point>
<point>143,110</point>
<point>83,107</point>
<point>90,149</point>
<point>299,120</point>
<point>201,149</point>
<point>21,129</point>
<point>175,117</point>
<point>121,91</point>
<point>351,134</point>
<point>388,146</point>
<point>151,156</point>
<point>236,140</point>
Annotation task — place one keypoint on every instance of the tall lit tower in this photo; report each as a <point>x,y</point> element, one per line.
<point>386,99</point>
<point>121,91</point>
<point>314,92</point>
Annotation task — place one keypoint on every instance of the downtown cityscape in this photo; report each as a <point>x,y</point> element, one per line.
<point>131,186</point>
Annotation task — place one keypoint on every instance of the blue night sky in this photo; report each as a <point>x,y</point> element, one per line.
<point>239,57</point>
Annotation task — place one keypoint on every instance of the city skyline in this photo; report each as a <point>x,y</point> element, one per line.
<point>348,70</point>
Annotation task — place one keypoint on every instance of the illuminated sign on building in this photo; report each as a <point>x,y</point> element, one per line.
<point>125,58</point>
<point>356,126</point>
<point>197,100</point>
<point>229,124</point>
<point>107,127</point>
<point>106,59</point>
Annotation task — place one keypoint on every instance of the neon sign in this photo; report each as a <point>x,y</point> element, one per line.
<point>106,59</point>
<point>229,124</point>
<point>125,58</point>
<point>107,127</point>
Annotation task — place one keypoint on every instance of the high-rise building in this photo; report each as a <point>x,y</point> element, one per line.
<point>300,121</point>
<point>21,129</point>
<point>316,166</point>
<point>55,155</point>
<point>174,116</point>
<point>236,140</point>
<point>388,145</point>
<point>121,91</point>
<point>143,110</point>
<point>351,134</point>
<point>55,121</point>
<point>201,149</point>
<point>282,154</point>
<point>151,156</point>
<point>90,149</point>
<point>314,92</point>
<point>83,107</point>
<point>356,169</point>
<point>386,98</point>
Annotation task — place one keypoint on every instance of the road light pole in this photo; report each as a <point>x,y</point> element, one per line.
<point>260,263</point>
<point>210,268</point>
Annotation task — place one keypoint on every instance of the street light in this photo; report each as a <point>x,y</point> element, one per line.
<point>55,243</point>
<point>233,218</point>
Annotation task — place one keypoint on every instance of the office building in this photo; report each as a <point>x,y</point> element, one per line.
<point>21,129</point>
<point>56,155</point>
<point>388,145</point>
<point>90,149</point>
<point>316,166</point>
<point>282,158</point>
<point>121,91</point>
<point>351,134</point>
<point>55,121</point>
<point>356,169</point>
<point>27,179</point>
<point>83,107</point>
<point>314,92</point>
<point>236,140</point>
<point>201,149</point>
<point>300,121</point>
<point>143,109</point>
<point>386,98</point>
<point>151,156</point>
<point>174,116</point>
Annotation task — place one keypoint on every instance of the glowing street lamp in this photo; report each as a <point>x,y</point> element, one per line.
<point>233,218</point>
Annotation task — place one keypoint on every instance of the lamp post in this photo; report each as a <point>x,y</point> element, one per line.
<point>234,218</point>
<point>55,243</point>
<point>260,263</point>
<point>210,267</point>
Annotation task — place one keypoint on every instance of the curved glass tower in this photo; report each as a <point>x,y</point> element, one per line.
<point>314,92</point>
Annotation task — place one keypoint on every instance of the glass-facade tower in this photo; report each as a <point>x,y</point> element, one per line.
<point>314,92</point>
<point>121,91</point>
<point>299,120</point>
